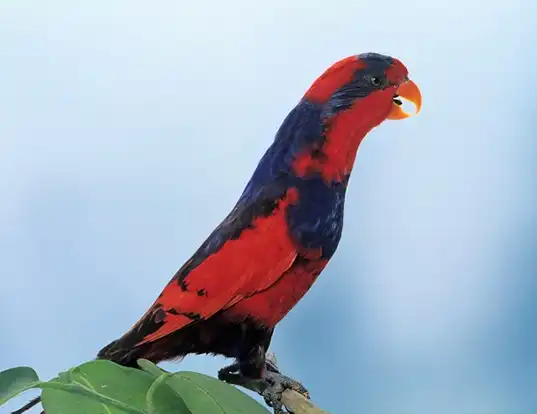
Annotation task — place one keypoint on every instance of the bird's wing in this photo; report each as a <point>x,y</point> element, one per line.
<point>248,252</point>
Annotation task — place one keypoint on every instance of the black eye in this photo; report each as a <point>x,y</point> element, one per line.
<point>375,81</point>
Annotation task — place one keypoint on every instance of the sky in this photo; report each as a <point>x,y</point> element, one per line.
<point>129,129</point>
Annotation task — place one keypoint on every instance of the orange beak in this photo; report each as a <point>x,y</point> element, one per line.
<point>410,92</point>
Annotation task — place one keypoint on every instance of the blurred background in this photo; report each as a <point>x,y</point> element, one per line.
<point>129,128</point>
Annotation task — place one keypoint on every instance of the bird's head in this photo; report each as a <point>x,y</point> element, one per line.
<point>371,85</point>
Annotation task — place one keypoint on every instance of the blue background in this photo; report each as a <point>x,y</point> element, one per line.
<point>129,128</point>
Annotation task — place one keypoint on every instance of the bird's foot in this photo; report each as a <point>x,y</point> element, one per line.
<point>277,384</point>
<point>270,386</point>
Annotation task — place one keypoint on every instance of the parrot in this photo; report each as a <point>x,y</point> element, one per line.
<point>265,255</point>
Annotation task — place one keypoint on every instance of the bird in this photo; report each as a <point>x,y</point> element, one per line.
<point>265,255</point>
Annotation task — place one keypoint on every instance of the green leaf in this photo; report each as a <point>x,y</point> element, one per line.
<point>207,395</point>
<point>151,368</point>
<point>161,399</point>
<point>107,388</point>
<point>16,380</point>
<point>97,387</point>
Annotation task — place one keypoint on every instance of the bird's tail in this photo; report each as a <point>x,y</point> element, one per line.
<point>126,351</point>
<point>116,352</point>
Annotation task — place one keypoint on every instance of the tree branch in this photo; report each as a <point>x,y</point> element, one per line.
<point>294,402</point>
<point>298,404</point>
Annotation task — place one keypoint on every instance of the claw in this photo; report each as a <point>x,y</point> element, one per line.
<point>271,386</point>
<point>277,384</point>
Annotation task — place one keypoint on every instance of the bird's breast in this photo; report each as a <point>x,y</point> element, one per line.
<point>316,220</point>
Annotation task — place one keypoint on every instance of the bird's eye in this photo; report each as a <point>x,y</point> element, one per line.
<point>375,81</point>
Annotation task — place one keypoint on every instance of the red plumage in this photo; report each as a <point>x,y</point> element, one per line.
<point>262,259</point>
<point>247,267</point>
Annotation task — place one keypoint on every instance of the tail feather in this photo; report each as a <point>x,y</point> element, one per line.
<point>123,351</point>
